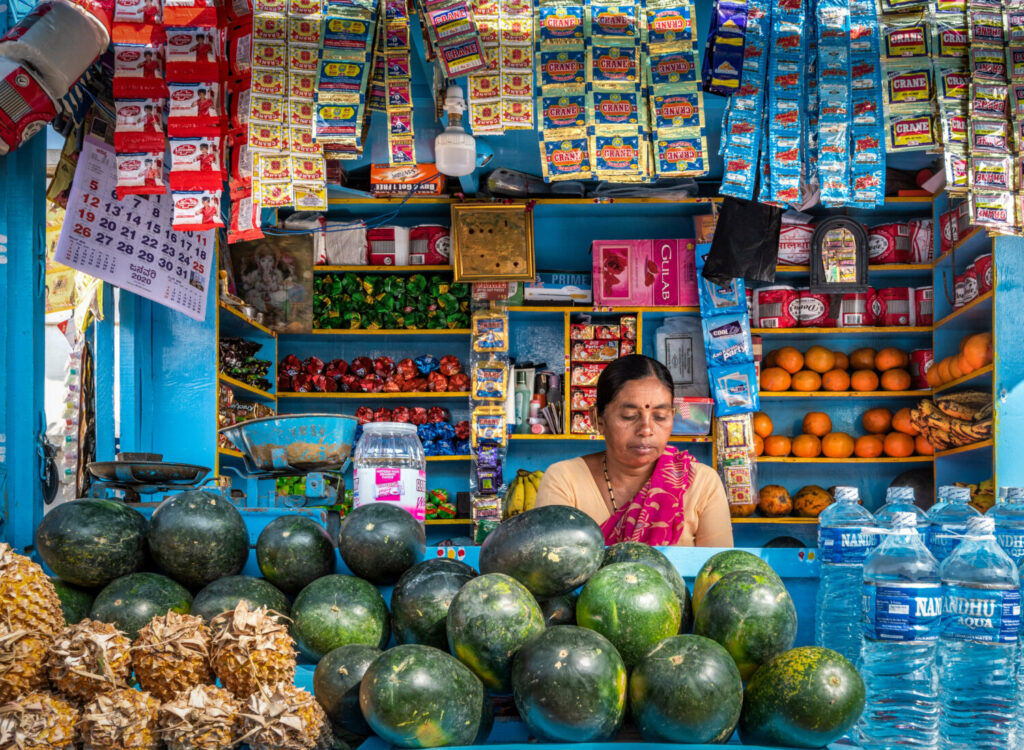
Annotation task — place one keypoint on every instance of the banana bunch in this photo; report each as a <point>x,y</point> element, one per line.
<point>983,494</point>
<point>522,493</point>
<point>955,419</point>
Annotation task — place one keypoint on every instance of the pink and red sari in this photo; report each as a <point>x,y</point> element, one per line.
<point>655,516</point>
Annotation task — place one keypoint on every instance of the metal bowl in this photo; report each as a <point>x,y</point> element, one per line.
<point>297,443</point>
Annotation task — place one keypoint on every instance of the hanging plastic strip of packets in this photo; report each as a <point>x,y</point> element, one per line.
<point>489,388</point>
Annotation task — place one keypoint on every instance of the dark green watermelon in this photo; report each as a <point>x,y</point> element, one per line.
<point>686,689</point>
<point>336,686</point>
<point>630,604</point>
<point>490,619</point>
<point>197,537</point>
<point>551,550</point>
<point>418,696</point>
<point>722,564</point>
<point>569,684</point>
<point>648,555</point>
<point>75,601</point>
<point>784,542</point>
<point>807,697</point>
<point>91,542</point>
<point>338,610</point>
<point>752,615</point>
<point>420,601</point>
<point>225,593</point>
<point>293,551</point>
<point>132,601</point>
<point>559,610</point>
<point>379,542</point>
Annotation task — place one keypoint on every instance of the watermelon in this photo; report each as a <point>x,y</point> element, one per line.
<point>569,685</point>
<point>132,601</point>
<point>91,542</point>
<point>559,610</point>
<point>490,619</point>
<point>336,686</point>
<point>722,564</point>
<point>551,550</point>
<point>379,542</point>
<point>751,615</point>
<point>807,697</point>
<point>225,593</point>
<point>75,602</point>
<point>338,610</point>
<point>293,551</point>
<point>420,601</point>
<point>197,537</point>
<point>632,606</point>
<point>648,555</point>
<point>419,696</point>
<point>686,689</point>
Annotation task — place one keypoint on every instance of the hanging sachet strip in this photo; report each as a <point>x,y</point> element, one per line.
<point>867,131</point>
<point>398,83</point>
<point>834,100</point>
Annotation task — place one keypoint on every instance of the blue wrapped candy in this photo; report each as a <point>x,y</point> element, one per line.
<point>462,448</point>
<point>445,431</point>
<point>427,364</point>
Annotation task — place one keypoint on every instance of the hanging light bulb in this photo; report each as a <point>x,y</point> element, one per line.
<point>455,149</point>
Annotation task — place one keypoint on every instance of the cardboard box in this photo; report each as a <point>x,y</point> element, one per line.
<point>420,179</point>
<point>558,289</point>
<point>645,273</point>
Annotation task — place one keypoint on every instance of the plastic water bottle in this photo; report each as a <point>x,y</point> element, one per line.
<point>844,541</point>
<point>977,652</point>
<point>947,521</point>
<point>1008,513</point>
<point>902,610</point>
<point>899,499</point>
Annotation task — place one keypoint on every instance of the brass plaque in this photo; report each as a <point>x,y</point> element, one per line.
<point>492,243</point>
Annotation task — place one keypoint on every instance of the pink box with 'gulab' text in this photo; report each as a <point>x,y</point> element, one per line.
<point>645,273</point>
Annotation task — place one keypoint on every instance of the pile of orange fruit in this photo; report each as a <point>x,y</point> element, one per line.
<point>888,434</point>
<point>975,352</point>
<point>821,369</point>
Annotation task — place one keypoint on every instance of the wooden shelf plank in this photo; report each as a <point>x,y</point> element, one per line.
<point>980,378</point>
<point>841,331</point>
<point>851,460</point>
<point>234,311</point>
<point>383,332</point>
<point>448,521</point>
<point>380,269</point>
<point>786,520</point>
<point>844,394</point>
<point>229,452</point>
<point>367,396</point>
<point>983,445</point>
<point>448,458</point>
<point>245,388</point>
<point>974,307</point>
<point>959,244</point>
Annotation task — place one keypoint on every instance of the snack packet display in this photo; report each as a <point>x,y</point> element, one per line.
<point>737,462</point>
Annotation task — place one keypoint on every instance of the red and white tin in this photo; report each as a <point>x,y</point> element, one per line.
<point>795,244</point>
<point>920,361</point>
<point>896,306</point>
<point>857,309</point>
<point>889,243</point>
<point>924,305</point>
<point>814,310</point>
<point>983,273</point>
<point>777,306</point>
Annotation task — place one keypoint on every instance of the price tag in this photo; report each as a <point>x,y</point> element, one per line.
<point>131,243</point>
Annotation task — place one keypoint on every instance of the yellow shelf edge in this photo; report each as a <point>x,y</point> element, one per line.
<point>841,331</point>
<point>380,269</point>
<point>447,521</point>
<point>792,520</point>
<point>958,245</point>
<point>229,452</point>
<point>594,438</point>
<point>383,332</point>
<point>398,394</point>
<point>966,448</point>
<point>241,316</point>
<point>598,309</point>
<point>883,268</point>
<point>448,458</point>
<point>845,394</point>
<point>878,460</point>
<point>440,201</point>
<point>980,372</point>
<point>976,302</point>
<point>228,380</point>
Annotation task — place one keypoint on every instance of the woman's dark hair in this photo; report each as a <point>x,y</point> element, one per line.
<point>625,369</point>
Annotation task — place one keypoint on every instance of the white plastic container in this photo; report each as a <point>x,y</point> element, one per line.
<point>389,467</point>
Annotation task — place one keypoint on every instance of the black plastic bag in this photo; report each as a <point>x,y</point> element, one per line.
<point>745,244</point>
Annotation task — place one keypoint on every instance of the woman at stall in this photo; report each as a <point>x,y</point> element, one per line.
<point>640,488</point>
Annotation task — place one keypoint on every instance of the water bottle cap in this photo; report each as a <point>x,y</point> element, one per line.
<point>954,494</point>
<point>899,493</point>
<point>904,520</point>
<point>981,526</point>
<point>1011,493</point>
<point>846,493</point>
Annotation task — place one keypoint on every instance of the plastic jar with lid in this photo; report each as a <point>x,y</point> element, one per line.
<point>389,467</point>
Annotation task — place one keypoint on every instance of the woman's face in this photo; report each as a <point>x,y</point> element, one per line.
<point>638,422</point>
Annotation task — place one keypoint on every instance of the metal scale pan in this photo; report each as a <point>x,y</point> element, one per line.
<point>142,474</point>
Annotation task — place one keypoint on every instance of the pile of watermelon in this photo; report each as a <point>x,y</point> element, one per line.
<point>580,638</point>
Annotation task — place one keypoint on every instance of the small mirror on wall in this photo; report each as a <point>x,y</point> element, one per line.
<point>839,256</point>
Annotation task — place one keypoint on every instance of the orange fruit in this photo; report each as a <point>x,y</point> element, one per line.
<point>898,445</point>
<point>864,380</point>
<point>806,446</point>
<point>977,350</point>
<point>868,446</point>
<point>763,424</point>
<point>896,380</point>
<point>862,359</point>
<point>891,357</point>
<point>944,372</point>
<point>775,379</point>
<point>901,422</point>
<point>817,423</point>
<point>789,359</point>
<point>777,445</point>
<point>842,361</point>
<point>837,445</point>
<point>931,375</point>
<point>758,445</point>
<point>807,381</point>
<point>771,359</point>
<point>877,421</point>
<point>963,365</point>
<point>923,447</point>
<point>835,380</point>
<point>954,366</point>
<point>819,359</point>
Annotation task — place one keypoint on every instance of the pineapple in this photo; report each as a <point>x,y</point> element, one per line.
<point>203,718</point>
<point>22,662</point>
<point>122,719</point>
<point>89,658</point>
<point>285,717</point>
<point>172,654</point>
<point>28,600</point>
<point>38,721</point>
<point>251,649</point>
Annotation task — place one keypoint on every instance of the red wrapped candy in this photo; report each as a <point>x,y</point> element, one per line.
<point>302,384</point>
<point>284,384</point>
<point>437,382</point>
<point>383,414</point>
<point>336,368</point>
<point>407,369</point>
<point>459,382</point>
<point>313,366</point>
<point>290,366</point>
<point>364,414</point>
<point>362,367</point>
<point>383,366</point>
<point>462,430</point>
<point>330,384</point>
<point>371,384</point>
<point>393,385</point>
<point>418,415</point>
<point>449,366</point>
<point>403,414</point>
<point>319,382</point>
<point>349,383</point>
<point>438,414</point>
<point>414,385</point>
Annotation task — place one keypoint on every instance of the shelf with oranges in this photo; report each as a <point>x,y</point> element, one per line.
<point>820,372</point>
